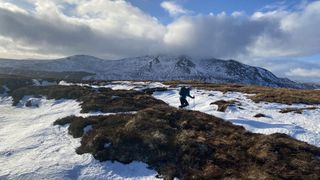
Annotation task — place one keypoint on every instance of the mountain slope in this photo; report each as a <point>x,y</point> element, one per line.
<point>159,68</point>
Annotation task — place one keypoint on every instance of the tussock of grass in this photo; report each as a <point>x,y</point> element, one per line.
<point>223,105</point>
<point>152,90</point>
<point>13,82</point>
<point>259,115</point>
<point>296,110</point>
<point>92,100</point>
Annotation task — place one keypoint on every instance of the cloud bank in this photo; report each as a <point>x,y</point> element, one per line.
<point>304,72</point>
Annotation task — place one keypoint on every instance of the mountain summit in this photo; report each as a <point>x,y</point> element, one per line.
<point>162,67</point>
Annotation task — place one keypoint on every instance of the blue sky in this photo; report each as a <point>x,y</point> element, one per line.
<point>153,7</point>
<point>282,36</point>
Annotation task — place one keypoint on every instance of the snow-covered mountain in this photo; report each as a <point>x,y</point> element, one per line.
<point>159,68</point>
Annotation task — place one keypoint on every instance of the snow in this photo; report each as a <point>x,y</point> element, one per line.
<point>120,85</point>
<point>6,90</point>
<point>87,129</point>
<point>32,148</point>
<point>37,82</point>
<point>35,102</point>
<point>304,127</point>
<point>106,145</point>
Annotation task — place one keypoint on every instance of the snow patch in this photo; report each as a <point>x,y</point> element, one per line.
<point>32,148</point>
<point>30,102</point>
<point>87,129</point>
<point>120,85</point>
<point>104,114</point>
<point>114,97</point>
<point>4,90</point>
<point>106,145</point>
<point>39,82</point>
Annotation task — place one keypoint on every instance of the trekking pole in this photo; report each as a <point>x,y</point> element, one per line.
<point>194,103</point>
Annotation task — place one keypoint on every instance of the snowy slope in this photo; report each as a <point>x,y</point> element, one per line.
<point>32,148</point>
<point>159,68</point>
<point>304,127</point>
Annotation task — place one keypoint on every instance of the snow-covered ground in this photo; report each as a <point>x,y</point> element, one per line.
<point>32,148</point>
<point>304,127</point>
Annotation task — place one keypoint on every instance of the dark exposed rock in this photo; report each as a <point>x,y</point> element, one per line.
<point>29,103</point>
<point>259,115</point>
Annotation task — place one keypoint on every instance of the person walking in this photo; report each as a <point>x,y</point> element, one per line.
<point>184,93</point>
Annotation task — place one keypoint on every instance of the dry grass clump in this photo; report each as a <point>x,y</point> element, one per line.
<point>194,145</point>
<point>223,105</point>
<point>150,91</point>
<point>13,82</point>
<point>267,94</point>
<point>92,100</point>
<point>296,110</point>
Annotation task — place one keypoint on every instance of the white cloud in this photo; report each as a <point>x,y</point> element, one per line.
<point>109,29</point>
<point>295,33</point>
<point>113,29</point>
<point>300,72</point>
<point>12,7</point>
<point>173,8</point>
<point>238,13</point>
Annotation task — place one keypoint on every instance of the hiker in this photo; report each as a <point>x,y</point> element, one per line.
<point>184,92</point>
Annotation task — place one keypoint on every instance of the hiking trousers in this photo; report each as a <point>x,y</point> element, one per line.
<point>183,102</point>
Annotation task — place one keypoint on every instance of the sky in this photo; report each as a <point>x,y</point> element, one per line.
<point>282,36</point>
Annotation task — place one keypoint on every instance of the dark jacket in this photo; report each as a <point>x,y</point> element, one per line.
<point>184,92</point>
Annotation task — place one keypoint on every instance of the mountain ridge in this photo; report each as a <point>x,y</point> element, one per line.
<point>160,67</point>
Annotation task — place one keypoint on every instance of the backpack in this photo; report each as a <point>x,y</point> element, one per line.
<point>184,91</point>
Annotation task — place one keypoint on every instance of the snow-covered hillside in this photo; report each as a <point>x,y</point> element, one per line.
<point>33,148</point>
<point>159,68</point>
